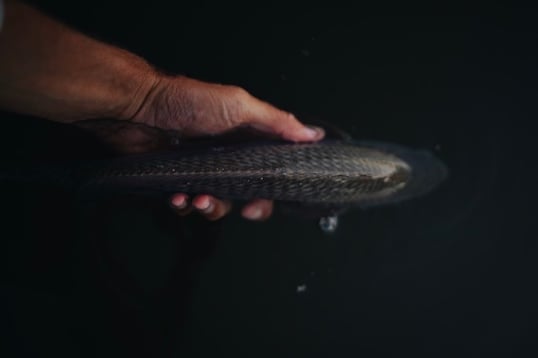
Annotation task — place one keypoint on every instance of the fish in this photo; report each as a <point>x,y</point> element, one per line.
<point>325,177</point>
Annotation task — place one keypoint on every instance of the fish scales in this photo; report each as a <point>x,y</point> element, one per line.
<point>328,172</point>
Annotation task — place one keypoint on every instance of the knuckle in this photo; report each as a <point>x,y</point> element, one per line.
<point>237,89</point>
<point>239,92</point>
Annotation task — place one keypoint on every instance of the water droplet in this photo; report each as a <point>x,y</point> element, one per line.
<point>328,224</point>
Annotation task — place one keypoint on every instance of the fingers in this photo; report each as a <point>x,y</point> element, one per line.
<point>267,118</point>
<point>180,204</point>
<point>258,209</point>
<point>214,209</point>
<point>199,108</point>
<point>211,208</point>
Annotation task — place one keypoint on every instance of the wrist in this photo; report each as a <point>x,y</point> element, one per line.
<point>164,104</point>
<point>145,82</point>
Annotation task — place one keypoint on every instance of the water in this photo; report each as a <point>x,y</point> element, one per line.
<point>448,274</point>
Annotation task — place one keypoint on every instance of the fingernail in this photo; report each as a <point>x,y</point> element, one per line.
<point>254,213</point>
<point>314,132</point>
<point>204,205</point>
<point>179,202</point>
<point>208,209</point>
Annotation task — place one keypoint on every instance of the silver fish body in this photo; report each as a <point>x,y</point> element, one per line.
<point>332,172</point>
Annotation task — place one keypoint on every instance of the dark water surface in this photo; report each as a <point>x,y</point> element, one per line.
<point>450,274</point>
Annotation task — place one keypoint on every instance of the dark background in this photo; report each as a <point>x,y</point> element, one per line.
<point>453,273</point>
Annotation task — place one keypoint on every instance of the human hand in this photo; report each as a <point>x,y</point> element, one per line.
<point>79,79</point>
<point>196,108</point>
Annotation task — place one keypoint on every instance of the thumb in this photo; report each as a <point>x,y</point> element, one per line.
<point>269,119</point>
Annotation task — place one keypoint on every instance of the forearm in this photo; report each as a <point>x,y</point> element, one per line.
<point>49,70</point>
